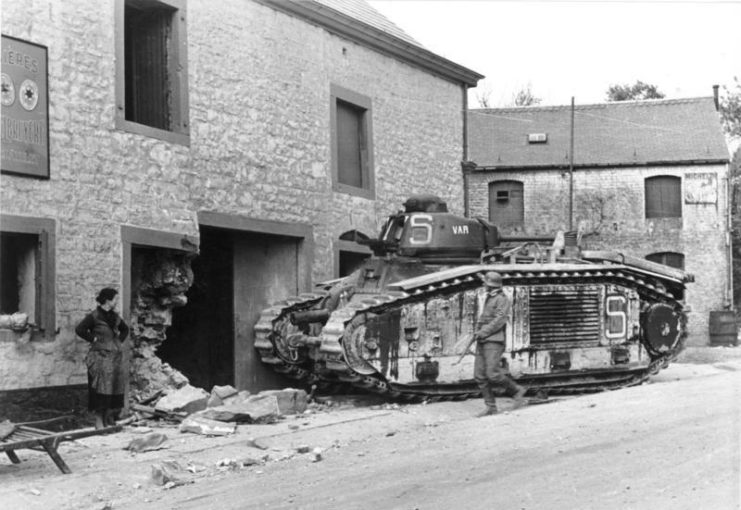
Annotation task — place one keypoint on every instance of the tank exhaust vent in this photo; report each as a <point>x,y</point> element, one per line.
<point>564,315</point>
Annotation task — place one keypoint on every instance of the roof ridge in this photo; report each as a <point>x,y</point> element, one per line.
<point>586,106</point>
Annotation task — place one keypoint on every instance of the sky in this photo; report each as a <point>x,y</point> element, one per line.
<point>579,48</point>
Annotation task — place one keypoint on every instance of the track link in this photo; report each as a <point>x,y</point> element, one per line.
<point>271,339</point>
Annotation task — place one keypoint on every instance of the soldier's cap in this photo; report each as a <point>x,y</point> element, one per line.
<point>492,279</point>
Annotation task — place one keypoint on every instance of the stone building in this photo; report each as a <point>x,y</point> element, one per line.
<point>650,178</point>
<point>203,158</point>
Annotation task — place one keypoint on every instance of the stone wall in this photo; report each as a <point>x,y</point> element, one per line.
<point>259,92</point>
<point>610,205</point>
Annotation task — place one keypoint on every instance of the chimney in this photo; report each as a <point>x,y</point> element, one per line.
<point>715,97</point>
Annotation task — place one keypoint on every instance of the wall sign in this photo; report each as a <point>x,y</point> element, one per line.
<point>24,137</point>
<point>701,188</point>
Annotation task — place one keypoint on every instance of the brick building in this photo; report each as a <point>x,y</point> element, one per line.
<point>201,152</point>
<point>650,178</point>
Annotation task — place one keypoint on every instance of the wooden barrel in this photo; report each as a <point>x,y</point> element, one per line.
<point>723,329</point>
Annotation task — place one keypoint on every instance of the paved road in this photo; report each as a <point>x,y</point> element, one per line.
<point>673,445</point>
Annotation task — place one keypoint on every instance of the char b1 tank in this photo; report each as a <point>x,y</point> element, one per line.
<point>399,325</point>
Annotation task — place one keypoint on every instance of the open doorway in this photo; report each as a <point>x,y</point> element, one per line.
<point>200,341</point>
<point>238,273</point>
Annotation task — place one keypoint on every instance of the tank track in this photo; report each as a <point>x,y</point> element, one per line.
<point>273,348</point>
<point>338,323</point>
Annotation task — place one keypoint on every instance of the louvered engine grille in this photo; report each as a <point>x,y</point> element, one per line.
<point>564,315</point>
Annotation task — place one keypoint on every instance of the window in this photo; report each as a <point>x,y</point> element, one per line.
<point>152,73</point>
<point>506,204</point>
<point>668,258</point>
<point>352,148</point>
<point>27,269</point>
<point>349,256</point>
<point>664,197</point>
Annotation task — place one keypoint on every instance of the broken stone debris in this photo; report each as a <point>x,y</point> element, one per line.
<point>265,407</point>
<point>257,409</point>
<point>204,426</point>
<point>187,399</point>
<point>147,443</point>
<point>160,279</point>
<point>317,454</point>
<point>221,393</point>
<point>151,411</point>
<point>166,472</point>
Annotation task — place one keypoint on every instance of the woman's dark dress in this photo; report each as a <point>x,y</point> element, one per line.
<point>105,374</point>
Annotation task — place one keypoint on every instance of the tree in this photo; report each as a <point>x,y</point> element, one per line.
<point>638,90</point>
<point>730,109</point>
<point>483,95</point>
<point>525,97</point>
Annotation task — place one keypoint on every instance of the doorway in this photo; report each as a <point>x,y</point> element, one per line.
<point>200,340</point>
<point>237,274</point>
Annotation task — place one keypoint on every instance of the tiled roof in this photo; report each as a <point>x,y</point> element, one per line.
<point>363,12</point>
<point>357,21</point>
<point>617,133</point>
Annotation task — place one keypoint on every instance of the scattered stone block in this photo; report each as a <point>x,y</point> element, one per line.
<point>147,443</point>
<point>188,399</point>
<point>257,409</point>
<point>303,449</point>
<point>200,425</point>
<point>242,396</point>
<point>165,472</point>
<point>317,453</point>
<point>290,400</point>
<point>221,393</point>
<point>252,461</point>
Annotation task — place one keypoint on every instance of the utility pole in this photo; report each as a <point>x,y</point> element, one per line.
<point>571,171</point>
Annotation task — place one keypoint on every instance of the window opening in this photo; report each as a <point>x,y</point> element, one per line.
<point>148,43</point>
<point>663,197</point>
<point>19,260</point>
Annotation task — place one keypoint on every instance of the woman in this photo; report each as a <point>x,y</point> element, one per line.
<point>105,331</point>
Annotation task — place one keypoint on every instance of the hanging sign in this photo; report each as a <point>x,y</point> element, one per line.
<point>24,139</point>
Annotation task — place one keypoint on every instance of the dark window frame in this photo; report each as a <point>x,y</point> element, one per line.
<point>341,246</point>
<point>359,102</point>
<point>177,71</point>
<point>662,257</point>
<point>507,200</point>
<point>45,291</point>
<point>663,207</point>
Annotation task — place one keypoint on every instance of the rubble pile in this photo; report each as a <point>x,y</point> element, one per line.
<point>219,412</point>
<point>161,279</point>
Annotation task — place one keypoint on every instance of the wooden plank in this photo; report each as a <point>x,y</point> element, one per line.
<point>51,449</point>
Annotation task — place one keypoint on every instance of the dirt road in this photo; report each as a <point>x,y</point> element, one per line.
<point>671,444</point>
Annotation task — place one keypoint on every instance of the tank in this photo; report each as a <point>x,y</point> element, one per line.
<point>580,321</point>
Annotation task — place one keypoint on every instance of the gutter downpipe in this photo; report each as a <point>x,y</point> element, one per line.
<point>465,150</point>
<point>729,237</point>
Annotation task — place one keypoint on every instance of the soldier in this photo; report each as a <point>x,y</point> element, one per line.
<point>490,339</point>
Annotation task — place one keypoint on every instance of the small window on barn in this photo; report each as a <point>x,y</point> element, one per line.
<point>27,270</point>
<point>349,256</point>
<point>664,197</point>
<point>506,203</point>
<point>352,147</point>
<point>152,69</point>
<point>668,258</point>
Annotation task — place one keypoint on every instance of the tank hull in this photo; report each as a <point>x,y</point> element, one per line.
<point>573,327</point>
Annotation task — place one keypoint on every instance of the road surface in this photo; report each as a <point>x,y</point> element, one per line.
<point>670,445</point>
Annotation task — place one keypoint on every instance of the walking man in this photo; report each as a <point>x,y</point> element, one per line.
<point>490,339</point>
